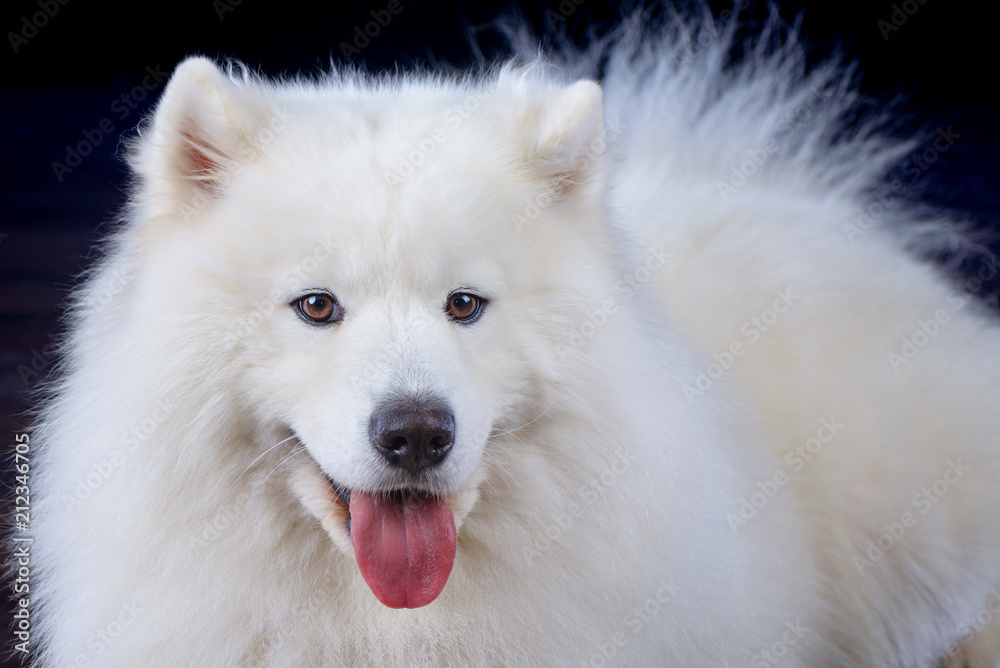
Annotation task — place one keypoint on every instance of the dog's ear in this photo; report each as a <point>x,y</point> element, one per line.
<point>569,138</point>
<point>205,127</point>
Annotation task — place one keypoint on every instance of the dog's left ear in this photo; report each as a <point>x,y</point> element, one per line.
<point>207,125</point>
<point>569,138</point>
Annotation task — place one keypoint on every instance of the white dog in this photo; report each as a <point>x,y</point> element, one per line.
<point>379,371</point>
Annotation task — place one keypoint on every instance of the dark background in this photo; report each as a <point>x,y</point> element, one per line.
<point>70,71</point>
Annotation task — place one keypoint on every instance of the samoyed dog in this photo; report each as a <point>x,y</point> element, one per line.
<point>522,369</point>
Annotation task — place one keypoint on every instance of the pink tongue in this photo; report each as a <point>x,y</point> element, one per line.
<point>404,545</point>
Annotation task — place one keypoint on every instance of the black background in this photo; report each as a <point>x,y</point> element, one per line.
<point>63,82</point>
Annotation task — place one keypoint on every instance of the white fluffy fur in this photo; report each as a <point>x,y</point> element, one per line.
<point>209,536</point>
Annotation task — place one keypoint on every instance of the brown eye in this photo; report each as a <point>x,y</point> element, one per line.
<point>464,307</point>
<point>318,308</point>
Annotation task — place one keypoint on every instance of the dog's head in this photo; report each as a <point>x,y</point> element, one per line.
<point>374,260</point>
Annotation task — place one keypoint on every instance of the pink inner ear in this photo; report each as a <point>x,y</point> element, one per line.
<point>198,158</point>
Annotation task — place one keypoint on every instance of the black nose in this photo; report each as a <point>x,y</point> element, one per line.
<point>414,435</point>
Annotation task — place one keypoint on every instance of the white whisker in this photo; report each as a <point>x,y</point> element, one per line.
<point>258,458</point>
<point>511,431</point>
<point>299,449</point>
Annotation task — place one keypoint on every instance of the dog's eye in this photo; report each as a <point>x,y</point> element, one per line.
<point>464,307</point>
<point>318,308</point>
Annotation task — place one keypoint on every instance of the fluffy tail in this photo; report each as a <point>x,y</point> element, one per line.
<point>696,94</point>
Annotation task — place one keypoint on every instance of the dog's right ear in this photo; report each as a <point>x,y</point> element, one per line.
<point>565,135</point>
<point>206,125</point>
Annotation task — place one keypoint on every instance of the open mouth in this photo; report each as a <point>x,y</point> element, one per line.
<point>404,542</point>
<point>344,499</point>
